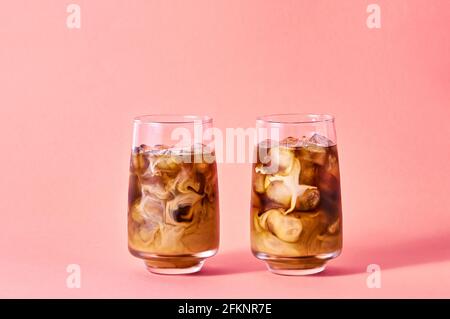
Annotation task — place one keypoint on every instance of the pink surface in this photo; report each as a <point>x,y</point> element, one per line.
<point>68,97</point>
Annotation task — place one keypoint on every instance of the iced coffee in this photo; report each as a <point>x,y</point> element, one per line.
<point>173,221</point>
<point>296,223</point>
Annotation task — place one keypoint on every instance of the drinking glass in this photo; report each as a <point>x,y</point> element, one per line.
<point>173,203</point>
<point>296,215</point>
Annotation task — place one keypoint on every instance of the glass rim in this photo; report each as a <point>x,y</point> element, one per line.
<point>295,118</point>
<point>171,119</point>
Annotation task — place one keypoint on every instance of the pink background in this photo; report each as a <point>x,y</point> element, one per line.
<point>67,100</point>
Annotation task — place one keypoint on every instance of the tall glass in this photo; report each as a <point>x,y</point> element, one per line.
<point>173,212</point>
<point>296,216</point>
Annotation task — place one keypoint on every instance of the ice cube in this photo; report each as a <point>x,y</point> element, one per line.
<point>161,163</point>
<point>332,165</point>
<point>146,233</point>
<point>291,142</point>
<point>276,160</point>
<point>320,140</point>
<point>314,153</point>
<point>152,209</point>
<point>153,186</point>
<point>285,227</point>
<point>156,150</point>
<point>139,163</point>
<point>142,148</point>
<point>308,174</point>
<point>280,192</point>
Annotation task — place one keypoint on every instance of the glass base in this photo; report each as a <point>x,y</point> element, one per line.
<point>294,272</point>
<point>174,268</point>
<point>173,265</point>
<point>295,266</point>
